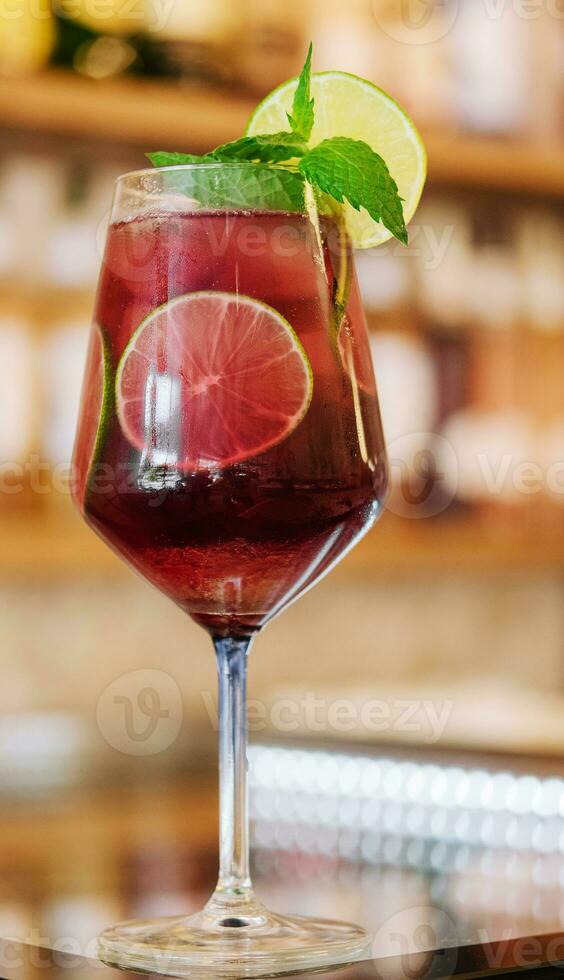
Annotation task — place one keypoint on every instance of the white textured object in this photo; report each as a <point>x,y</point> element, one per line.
<point>63,359</point>
<point>384,282</point>
<point>17,364</point>
<point>407,387</point>
<point>493,452</point>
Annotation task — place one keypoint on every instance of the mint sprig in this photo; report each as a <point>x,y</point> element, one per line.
<point>345,169</point>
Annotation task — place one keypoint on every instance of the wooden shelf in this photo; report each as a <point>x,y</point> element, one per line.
<point>61,546</point>
<point>44,304</point>
<point>448,544</point>
<point>141,113</point>
<point>54,546</point>
<point>518,167</point>
<point>152,114</point>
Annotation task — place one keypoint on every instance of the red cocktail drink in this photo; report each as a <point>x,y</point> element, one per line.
<point>229,460</point>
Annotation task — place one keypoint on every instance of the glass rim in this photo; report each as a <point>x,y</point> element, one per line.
<point>207,165</point>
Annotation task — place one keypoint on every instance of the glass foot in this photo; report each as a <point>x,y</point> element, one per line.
<point>226,941</point>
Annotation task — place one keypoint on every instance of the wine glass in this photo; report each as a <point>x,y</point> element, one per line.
<point>230,449</point>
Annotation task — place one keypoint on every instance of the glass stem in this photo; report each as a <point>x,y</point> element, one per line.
<point>234,879</point>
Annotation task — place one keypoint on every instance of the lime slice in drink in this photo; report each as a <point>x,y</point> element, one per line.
<point>346,105</point>
<point>94,413</point>
<point>211,379</point>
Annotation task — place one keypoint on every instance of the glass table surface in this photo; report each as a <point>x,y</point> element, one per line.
<point>455,867</point>
<point>532,957</point>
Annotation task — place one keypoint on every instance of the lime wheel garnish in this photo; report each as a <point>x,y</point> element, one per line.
<point>94,412</point>
<point>346,105</point>
<point>210,379</point>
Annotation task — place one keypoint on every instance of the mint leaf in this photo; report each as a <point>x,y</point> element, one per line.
<point>350,169</point>
<point>248,186</point>
<point>301,116</point>
<point>270,148</point>
<point>163,159</point>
